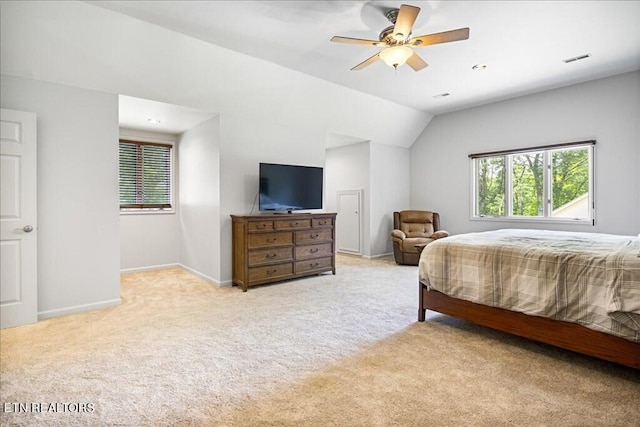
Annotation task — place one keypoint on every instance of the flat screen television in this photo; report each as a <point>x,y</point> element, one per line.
<point>290,187</point>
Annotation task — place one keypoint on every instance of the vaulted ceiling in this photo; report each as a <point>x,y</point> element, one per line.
<point>523,46</point>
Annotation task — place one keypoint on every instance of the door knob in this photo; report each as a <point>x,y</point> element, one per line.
<point>27,229</point>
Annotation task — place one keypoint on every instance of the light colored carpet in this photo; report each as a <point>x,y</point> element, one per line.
<point>328,350</point>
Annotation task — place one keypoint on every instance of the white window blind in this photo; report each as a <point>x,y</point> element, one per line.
<point>145,175</point>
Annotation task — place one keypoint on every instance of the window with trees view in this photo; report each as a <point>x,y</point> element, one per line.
<point>551,182</point>
<point>145,176</point>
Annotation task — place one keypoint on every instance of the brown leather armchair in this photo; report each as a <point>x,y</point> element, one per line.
<point>411,228</point>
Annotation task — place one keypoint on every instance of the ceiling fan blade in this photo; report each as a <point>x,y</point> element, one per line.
<point>416,62</point>
<point>366,62</point>
<point>404,22</point>
<point>349,40</point>
<point>437,38</point>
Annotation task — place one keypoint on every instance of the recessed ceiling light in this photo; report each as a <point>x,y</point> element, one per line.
<point>479,67</point>
<point>576,58</point>
<point>154,121</point>
<point>442,95</point>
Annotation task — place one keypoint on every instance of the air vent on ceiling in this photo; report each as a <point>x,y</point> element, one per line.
<point>576,58</point>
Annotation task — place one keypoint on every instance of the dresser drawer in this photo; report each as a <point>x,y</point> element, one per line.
<point>314,264</point>
<point>322,222</point>
<point>313,236</point>
<point>260,240</point>
<point>262,256</point>
<point>260,226</point>
<point>270,272</point>
<point>269,248</point>
<point>292,224</point>
<point>313,251</point>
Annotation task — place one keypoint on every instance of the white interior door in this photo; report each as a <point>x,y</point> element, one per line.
<point>349,222</point>
<point>18,219</point>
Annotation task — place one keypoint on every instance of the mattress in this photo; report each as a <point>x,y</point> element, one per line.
<point>587,278</point>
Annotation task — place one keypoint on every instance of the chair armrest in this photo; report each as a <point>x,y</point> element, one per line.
<point>439,234</point>
<point>398,234</point>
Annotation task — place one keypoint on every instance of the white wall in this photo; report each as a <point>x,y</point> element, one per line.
<point>150,240</point>
<point>78,44</point>
<point>348,168</point>
<point>270,113</point>
<point>78,233</point>
<point>199,202</point>
<point>244,143</point>
<point>390,173</point>
<point>382,171</point>
<point>606,110</point>
<point>266,112</point>
<point>189,235</point>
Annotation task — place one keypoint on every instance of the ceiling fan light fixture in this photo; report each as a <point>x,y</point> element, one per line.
<point>396,56</point>
<point>396,41</point>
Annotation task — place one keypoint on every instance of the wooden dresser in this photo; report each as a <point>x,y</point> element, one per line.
<point>270,248</point>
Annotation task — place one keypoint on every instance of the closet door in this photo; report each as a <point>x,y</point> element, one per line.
<point>349,221</point>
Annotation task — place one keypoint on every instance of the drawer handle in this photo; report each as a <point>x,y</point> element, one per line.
<point>323,222</point>
<point>314,250</point>
<point>315,236</point>
<point>260,226</point>
<point>313,264</point>
<point>293,224</point>
<point>274,271</point>
<point>272,239</point>
<point>272,255</point>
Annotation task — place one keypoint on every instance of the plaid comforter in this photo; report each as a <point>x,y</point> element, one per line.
<point>586,278</point>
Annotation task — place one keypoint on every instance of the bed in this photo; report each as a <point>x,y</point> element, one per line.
<point>578,291</point>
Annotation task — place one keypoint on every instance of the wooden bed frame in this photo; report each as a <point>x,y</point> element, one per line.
<point>570,336</point>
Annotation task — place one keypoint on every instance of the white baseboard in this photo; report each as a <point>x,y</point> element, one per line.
<point>352,254</point>
<point>184,267</point>
<point>379,256</point>
<point>365,256</point>
<point>42,315</point>
<point>148,268</point>
<point>200,275</point>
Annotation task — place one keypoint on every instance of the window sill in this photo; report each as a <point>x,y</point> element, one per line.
<point>534,220</point>
<point>147,211</point>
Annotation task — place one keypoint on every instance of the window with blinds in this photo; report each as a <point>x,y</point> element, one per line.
<point>145,175</point>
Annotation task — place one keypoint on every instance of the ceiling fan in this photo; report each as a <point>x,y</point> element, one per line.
<point>398,43</point>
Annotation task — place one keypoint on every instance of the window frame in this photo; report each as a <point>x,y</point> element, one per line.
<point>152,209</point>
<point>546,217</point>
